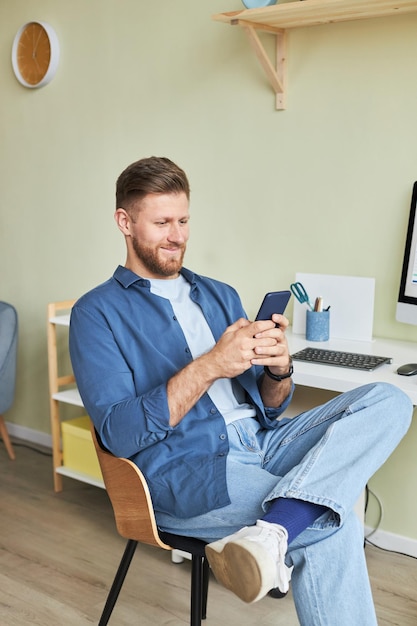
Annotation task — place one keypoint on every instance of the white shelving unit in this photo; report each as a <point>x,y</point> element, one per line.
<point>62,389</point>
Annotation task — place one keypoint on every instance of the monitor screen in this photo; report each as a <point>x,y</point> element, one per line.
<point>407,297</point>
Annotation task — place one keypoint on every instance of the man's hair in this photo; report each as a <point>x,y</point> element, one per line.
<point>150,175</point>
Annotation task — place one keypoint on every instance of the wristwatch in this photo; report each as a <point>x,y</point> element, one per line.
<point>283,376</point>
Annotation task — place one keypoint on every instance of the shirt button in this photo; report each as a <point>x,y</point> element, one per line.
<point>222,437</point>
<point>174,318</point>
<point>213,411</point>
<point>187,350</point>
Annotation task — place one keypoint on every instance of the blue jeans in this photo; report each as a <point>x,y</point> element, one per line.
<point>325,455</point>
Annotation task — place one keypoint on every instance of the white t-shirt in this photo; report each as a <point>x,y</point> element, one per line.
<point>227,395</point>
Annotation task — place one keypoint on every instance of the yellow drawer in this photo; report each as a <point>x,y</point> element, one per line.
<point>78,448</point>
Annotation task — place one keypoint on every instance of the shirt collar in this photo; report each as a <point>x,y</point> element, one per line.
<point>127,278</point>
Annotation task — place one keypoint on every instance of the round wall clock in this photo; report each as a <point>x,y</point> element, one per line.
<point>35,54</point>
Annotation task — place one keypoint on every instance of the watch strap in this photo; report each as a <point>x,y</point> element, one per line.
<point>282,376</point>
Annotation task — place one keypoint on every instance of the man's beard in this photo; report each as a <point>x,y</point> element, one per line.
<point>150,259</point>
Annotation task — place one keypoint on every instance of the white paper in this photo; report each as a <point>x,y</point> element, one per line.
<point>351,301</point>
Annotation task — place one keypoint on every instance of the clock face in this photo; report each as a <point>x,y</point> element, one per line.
<point>35,54</point>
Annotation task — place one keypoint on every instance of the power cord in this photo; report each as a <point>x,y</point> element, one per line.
<point>368,493</point>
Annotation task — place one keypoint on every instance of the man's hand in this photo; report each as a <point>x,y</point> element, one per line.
<point>278,360</point>
<point>245,343</point>
<point>242,345</point>
<point>276,357</point>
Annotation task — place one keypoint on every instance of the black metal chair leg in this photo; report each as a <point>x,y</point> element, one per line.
<point>118,581</point>
<point>196,590</point>
<point>206,576</point>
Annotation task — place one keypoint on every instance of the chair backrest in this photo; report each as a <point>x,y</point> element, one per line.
<point>129,495</point>
<point>8,354</point>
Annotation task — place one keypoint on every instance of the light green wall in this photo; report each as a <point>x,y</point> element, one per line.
<point>324,186</point>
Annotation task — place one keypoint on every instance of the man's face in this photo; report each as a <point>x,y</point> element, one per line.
<point>158,236</point>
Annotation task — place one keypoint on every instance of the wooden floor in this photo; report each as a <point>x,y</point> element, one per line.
<point>59,553</point>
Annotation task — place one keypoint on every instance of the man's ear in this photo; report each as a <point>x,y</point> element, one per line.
<point>123,221</point>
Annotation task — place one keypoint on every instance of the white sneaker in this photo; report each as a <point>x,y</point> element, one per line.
<point>251,562</point>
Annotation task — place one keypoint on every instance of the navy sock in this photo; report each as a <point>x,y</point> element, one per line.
<point>294,515</point>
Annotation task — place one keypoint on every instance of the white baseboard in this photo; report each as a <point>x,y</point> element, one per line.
<point>381,538</point>
<point>390,541</point>
<point>29,435</point>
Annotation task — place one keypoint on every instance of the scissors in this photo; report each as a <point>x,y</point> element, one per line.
<point>300,293</point>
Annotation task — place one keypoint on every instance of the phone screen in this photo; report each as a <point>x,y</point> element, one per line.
<point>273,302</point>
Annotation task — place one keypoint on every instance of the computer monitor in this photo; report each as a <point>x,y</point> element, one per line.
<point>407,297</point>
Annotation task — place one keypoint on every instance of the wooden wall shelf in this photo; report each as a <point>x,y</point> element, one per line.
<point>278,18</point>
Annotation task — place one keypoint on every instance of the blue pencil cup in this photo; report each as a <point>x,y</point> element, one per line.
<point>317,325</point>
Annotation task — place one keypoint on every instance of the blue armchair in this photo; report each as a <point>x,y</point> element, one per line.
<point>8,353</point>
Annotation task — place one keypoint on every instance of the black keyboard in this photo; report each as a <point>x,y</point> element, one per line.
<point>353,360</point>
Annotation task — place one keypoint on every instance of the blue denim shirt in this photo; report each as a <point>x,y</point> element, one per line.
<point>125,344</point>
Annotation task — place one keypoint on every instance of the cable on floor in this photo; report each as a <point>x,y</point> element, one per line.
<point>368,493</point>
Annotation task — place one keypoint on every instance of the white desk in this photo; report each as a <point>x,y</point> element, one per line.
<point>338,379</point>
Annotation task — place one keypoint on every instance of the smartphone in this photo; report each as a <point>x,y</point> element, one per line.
<point>273,302</point>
